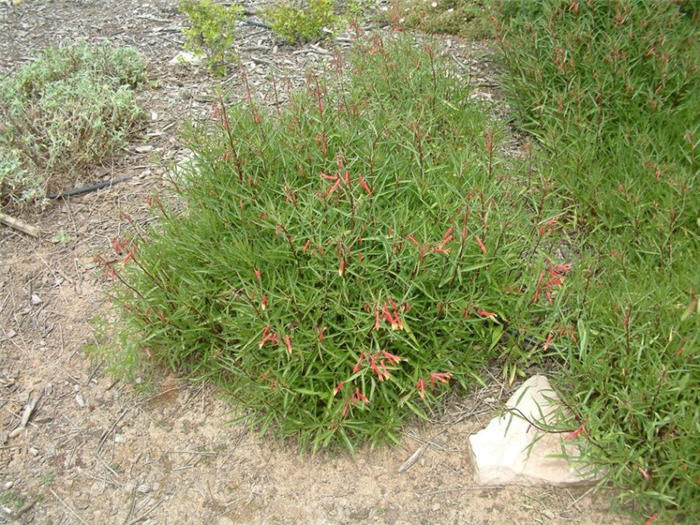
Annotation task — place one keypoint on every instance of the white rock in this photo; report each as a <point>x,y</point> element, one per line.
<point>511,450</point>
<point>80,400</point>
<point>186,58</point>
<point>35,299</point>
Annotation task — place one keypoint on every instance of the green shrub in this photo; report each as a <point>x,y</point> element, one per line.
<point>610,90</point>
<point>361,222</point>
<point>67,110</point>
<point>212,31</point>
<point>296,21</point>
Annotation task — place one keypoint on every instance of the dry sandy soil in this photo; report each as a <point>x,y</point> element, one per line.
<point>98,450</point>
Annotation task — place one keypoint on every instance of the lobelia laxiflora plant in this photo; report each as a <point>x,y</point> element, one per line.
<point>610,90</point>
<point>343,259</point>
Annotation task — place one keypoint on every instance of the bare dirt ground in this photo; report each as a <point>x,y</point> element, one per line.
<point>97,450</point>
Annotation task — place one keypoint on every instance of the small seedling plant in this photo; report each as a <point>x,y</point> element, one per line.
<point>346,260</point>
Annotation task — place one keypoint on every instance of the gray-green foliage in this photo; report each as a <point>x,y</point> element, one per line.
<point>68,109</point>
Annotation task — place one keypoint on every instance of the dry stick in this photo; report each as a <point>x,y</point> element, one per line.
<point>411,460</point>
<point>19,225</point>
<point>145,515</point>
<point>108,432</point>
<point>68,507</point>
<point>28,409</point>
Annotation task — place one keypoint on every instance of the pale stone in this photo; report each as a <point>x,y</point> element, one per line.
<point>510,450</point>
<point>186,58</point>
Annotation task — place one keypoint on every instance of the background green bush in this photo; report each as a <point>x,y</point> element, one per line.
<point>212,31</point>
<point>610,89</point>
<point>296,21</point>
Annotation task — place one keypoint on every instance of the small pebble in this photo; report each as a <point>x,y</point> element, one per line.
<point>36,299</point>
<point>33,451</point>
<point>79,399</point>
<point>143,488</point>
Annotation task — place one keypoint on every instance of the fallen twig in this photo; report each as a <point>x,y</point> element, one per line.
<point>68,507</point>
<point>414,457</point>
<point>20,225</point>
<point>28,410</point>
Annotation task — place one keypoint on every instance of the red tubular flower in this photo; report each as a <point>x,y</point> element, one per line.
<point>364,185</point>
<point>306,245</point>
<point>264,376</point>
<point>446,240</point>
<point>442,377</point>
<point>413,240</point>
<point>484,313</point>
<point>263,303</point>
<point>575,433</point>
<point>359,362</point>
<point>549,297</point>
<point>341,268</point>
<point>373,366</point>
<point>547,341</point>
<point>360,396</point>
<point>384,370</point>
<point>481,243</point>
<point>393,359</point>
<point>288,343</point>
<point>118,245</point>
<point>338,387</point>
<point>265,339</point>
<point>257,273</point>
<point>334,187</point>
<point>376,319</point>
<point>447,233</point>
<point>329,177</point>
<point>420,386</point>
<point>387,316</point>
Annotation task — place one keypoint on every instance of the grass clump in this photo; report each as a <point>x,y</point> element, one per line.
<point>69,109</point>
<point>345,259</point>
<point>212,31</point>
<point>610,90</point>
<point>465,18</point>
